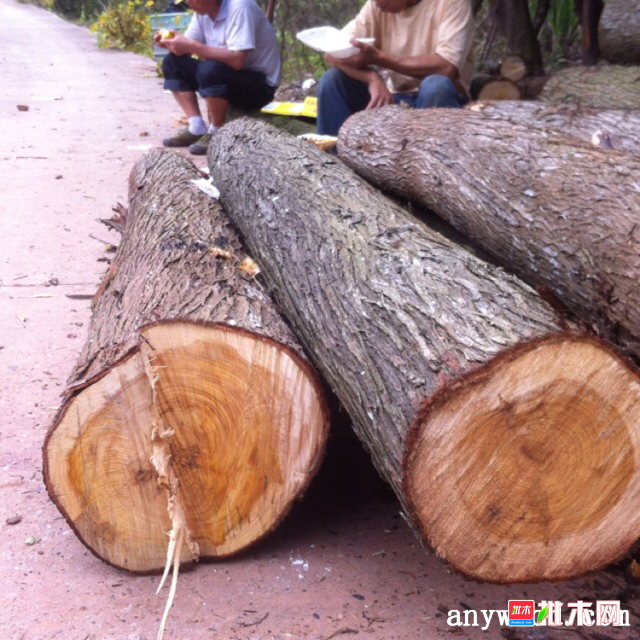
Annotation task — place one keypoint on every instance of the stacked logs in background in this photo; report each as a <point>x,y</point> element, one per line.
<point>503,84</point>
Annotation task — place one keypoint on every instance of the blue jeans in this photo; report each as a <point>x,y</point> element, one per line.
<point>340,96</point>
<point>248,89</point>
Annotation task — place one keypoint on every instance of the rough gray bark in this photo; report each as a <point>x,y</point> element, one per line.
<point>392,312</point>
<point>620,31</point>
<point>561,213</point>
<point>602,87</point>
<point>308,221</point>
<point>294,126</point>
<point>185,353</point>
<point>615,129</point>
<point>172,274</point>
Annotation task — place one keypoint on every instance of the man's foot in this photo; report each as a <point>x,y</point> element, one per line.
<point>200,147</point>
<point>182,139</point>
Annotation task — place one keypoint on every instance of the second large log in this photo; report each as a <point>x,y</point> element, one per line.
<point>601,87</point>
<point>512,445</point>
<point>560,212</point>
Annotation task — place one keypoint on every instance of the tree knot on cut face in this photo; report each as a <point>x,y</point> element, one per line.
<point>161,454</point>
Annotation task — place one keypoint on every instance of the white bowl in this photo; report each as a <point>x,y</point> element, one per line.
<point>331,40</point>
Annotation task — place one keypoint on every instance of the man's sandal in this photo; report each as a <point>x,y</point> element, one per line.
<point>200,147</point>
<point>182,139</point>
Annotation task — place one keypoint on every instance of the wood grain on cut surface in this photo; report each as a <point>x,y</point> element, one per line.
<point>549,491</point>
<point>192,407</point>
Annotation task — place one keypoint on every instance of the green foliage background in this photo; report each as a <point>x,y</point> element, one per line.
<point>87,11</point>
<point>118,23</point>
<point>293,16</point>
<point>125,25</point>
<point>121,24</point>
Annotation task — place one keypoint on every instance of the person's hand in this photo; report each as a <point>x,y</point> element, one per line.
<point>179,45</point>
<point>158,39</point>
<point>380,95</point>
<point>366,56</point>
<point>334,62</point>
<point>162,35</point>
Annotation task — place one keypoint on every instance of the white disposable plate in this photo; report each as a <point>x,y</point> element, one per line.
<point>330,40</point>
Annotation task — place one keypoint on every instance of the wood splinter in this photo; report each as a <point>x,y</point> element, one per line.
<point>161,460</point>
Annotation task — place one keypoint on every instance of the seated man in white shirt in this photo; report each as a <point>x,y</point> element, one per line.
<point>238,63</point>
<point>420,56</point>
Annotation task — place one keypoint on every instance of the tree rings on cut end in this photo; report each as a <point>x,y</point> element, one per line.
<point>528,469</point>
<point>513,68</point>
<point>249,426</point>
<point>499,90</point>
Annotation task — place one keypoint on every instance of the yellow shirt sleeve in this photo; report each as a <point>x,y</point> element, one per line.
<point>363,25</point>
<point>455,32</point>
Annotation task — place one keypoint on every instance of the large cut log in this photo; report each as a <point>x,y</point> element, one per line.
<point>491,424</point>
<point>189,379</point>
<point>603,87</point>
<point>615,129</point>
<point>619,31</point>
<point>561,213</point>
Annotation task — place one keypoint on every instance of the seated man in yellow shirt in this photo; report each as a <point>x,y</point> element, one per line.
<point>421,56</point>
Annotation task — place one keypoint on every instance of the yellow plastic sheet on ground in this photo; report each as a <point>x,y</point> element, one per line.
<point>308,108</point>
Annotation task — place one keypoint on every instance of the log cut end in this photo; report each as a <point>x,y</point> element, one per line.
<point>232,425</point>
<point>519,481</point>
<point>499,90</point>
<point>513,68</point>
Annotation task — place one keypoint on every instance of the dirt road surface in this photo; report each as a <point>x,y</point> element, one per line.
<point>343,564</point>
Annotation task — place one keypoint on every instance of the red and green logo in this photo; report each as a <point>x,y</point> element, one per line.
<point>521,613</point>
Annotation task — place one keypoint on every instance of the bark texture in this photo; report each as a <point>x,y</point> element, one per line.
<point>192,407</point>
<point>606,87</point>
<point>292,125</point>
<point>615,129</point>
<point>173,274</point>
<point>620,31</point>
<point>395,315</point>
<point>561,213</point>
